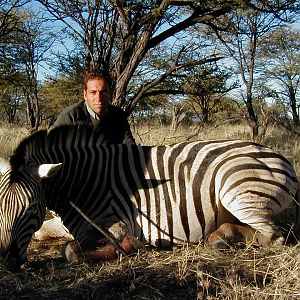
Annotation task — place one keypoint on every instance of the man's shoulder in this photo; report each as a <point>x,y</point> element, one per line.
<point>73,108</point>
<point>72,114</point>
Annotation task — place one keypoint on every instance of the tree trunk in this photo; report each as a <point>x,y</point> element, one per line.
<point>252,119</point>
<point>177,117</point>
<point>30,112</point>
<point>293,102</point>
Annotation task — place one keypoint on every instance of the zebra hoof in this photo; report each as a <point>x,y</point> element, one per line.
<point>131,244</point>
<point>278,241</point>
<point>107,251</point>
<point>93,251</point>
<point>72,252</point>
<point>218,245</point>
<point>102,250</point>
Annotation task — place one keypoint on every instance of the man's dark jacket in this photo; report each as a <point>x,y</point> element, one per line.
<point>113,123</point>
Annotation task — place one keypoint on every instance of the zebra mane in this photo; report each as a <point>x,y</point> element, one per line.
<point>18,158</point>
<point>42,139</point>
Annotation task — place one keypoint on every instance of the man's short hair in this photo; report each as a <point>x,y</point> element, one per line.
<point>93,75</point>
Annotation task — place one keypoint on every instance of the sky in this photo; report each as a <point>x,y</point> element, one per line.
<point>45,69</point>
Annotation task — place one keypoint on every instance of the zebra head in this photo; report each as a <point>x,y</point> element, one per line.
<point>22,210</point>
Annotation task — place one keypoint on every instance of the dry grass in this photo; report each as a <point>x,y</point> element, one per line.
<point>155,134</point>
<point>278,139</point>
<point>187,272</point>
<point>10,137</point>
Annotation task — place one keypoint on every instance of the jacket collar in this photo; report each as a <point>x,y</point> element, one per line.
<point>93,114</point>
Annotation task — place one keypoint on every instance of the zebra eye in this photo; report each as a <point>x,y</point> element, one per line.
<point>31,167</point>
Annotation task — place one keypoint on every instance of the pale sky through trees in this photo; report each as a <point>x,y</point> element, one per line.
<point>68,45</point>
<point>130,42</point>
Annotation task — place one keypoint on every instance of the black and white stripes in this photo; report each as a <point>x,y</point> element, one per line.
<point>164,194</point>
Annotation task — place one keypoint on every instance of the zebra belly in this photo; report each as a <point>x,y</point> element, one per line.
<point>164,225</point>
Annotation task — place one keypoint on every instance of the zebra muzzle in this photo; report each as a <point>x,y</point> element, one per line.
<point>13,262</point>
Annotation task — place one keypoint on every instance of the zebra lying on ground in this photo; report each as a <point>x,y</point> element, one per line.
<point>219,191</point>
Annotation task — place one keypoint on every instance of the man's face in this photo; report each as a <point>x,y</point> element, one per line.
<point>97,95</point>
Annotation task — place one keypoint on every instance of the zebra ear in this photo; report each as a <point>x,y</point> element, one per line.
<point>47,170</point>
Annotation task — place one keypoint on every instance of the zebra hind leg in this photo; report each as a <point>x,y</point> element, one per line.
<point>256,214</point>
<point>232,234</point>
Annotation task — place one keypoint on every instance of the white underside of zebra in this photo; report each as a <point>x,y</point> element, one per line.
<point>223,191</point>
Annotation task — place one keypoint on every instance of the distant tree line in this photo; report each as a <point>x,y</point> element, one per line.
<point>202,61</point>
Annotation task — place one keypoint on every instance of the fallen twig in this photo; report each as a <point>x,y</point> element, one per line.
<point>105,232</point>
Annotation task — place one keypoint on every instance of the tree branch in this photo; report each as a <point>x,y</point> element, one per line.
<point>174,67</point>
<point>198,16</point>
<point>105,232</point>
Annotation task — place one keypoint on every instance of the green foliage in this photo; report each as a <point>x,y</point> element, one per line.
<point>205,88</point>
<point>281,48</point>
<point>148,49</point>
<point>12,98</point>
<point>11,17</point>
<point>56,94</point>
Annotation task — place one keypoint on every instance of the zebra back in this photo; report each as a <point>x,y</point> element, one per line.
<point>164,194</point>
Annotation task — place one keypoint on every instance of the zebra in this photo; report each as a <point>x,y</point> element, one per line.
<point>51,228</point>
<point>218,191</point>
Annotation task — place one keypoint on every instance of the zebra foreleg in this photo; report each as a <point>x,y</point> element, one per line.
<point>229,234</point>
<point>90,250</point>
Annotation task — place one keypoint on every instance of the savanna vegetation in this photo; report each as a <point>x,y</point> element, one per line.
<point>185,272</point>
<point>182,70</point>
<point>175,61</point>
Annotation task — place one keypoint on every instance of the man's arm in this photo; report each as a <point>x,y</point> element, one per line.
<point>63,119</point>
<point>128,137</point>
<point>72,115</point>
